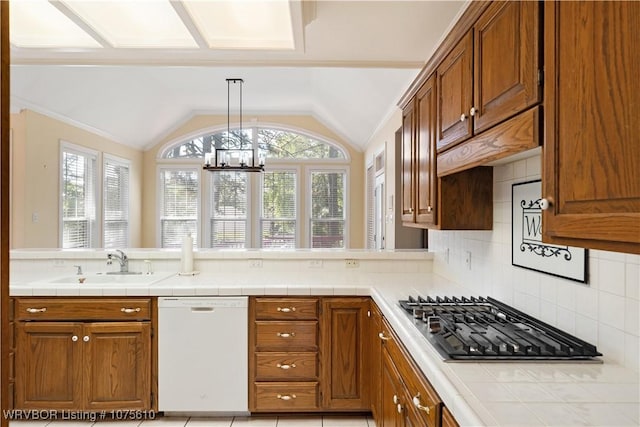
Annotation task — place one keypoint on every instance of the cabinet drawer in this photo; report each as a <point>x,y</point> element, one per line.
<point>83,309</point>
<point>287,396</point>
<point>286,308</point>
<point>286,366</point>
<point>296,335</point>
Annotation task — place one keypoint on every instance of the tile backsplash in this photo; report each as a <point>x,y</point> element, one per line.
<point>603,312</point>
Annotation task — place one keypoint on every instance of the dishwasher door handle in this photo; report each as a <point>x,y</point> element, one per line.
<point>202,309</point>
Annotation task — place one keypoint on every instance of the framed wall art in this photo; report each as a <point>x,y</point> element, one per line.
<point>528,250</point>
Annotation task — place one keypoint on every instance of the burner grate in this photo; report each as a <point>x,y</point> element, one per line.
<point>477,328</point>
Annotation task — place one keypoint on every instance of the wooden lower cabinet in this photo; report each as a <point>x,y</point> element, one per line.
<point>81,365</point>
<point>343,325</point>
<point>307,354</point>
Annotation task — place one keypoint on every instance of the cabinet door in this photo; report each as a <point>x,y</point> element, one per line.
<point>391,394</point>
<point>455,94</point>
<point>48,365</point>
<point>425,153</point>
<point>406,174</point>
<point>343,363</point>
<point>592,99</point>
<point>375,361</point>
<point>117,365</point>
<point>506,62</point>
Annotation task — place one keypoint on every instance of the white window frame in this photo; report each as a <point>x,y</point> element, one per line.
<point>257,222</point>
<point>302,168</point>
<point>347,203</point>
<point>206,206</point>
<point>120,161</point>
<point>178,166</point>
<point>68,147</point>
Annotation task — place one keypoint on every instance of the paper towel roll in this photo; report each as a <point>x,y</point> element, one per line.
<point>187,254</point>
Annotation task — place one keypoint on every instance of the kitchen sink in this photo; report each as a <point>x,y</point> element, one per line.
<point>109,279</point>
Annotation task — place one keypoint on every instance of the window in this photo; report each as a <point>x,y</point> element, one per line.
<point>116,203</point>
<point>228,211</point>
<point>249,210</point>
<point>179,193</point>
<point>278,219</point>
<point>327,209</point>
<point>78,183</point>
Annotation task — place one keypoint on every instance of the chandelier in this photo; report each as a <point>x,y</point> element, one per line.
<point>237,158</point>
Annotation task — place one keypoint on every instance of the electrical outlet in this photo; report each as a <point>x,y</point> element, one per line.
<point>467,259</point>
<point>35,217</point>
<point>351,263</point>
<point>255,263</point>
<point>314,263</point>
<point>58,263</point>
<point>446,256</point>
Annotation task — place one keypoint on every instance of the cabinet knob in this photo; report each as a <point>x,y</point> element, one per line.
<point>418,404</point>
<point>286,366</point>
<point>286,334</point>
<point>130,310</point>
<point>399,408</point>
<point>463,117</point>
<point>286,309</point>
<point>286,396</point>
<point>410,210</point>
<point>36,310</point>
<point>382,337</point>
<point>544,204</point>
<point>85,338</point>
<point>473,111</point>
<point>395,399</point>
<point>74,338</point>
<point>429,209</point>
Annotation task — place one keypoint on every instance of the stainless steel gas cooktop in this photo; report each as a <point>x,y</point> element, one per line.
<point>478,329</point>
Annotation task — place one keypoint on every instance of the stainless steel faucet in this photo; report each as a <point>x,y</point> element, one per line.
<point>123,260</point>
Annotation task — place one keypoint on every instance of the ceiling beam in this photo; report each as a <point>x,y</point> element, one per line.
<point>80,23</point>
<point>184,15</point>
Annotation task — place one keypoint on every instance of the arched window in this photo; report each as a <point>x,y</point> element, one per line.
<point>300,200</point>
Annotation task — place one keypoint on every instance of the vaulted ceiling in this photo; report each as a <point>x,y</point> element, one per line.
<point>347,64</point>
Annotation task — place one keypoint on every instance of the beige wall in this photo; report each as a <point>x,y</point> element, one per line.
<point>36,177</point>
<point>200,124</point>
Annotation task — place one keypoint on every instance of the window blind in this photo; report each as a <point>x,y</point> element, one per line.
<point>278,218</point>
<point>327,209</point>
<point>228,210</point>
<point>115,204</point>
<point>371,185</point>
<point>179,206</point>
<point>78,182</point>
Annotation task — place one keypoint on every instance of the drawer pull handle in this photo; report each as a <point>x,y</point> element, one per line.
<point>382,337</point>
<point>130,310</point>
<point>286,366</point>
<point>286,396</point>
<point>286,309</point>
<point>418,404</point>
<point>74,338</point>
<point>286,334</point>
<point>36,310</point>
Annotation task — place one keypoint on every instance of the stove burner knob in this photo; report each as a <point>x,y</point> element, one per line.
<point>434,324</point>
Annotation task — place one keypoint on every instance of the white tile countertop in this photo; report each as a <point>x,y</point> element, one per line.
<point>488,393</point>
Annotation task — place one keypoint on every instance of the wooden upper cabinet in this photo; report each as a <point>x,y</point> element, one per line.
<point>425,153</point>
<point>455,94</point>
<point>592,132</point>
<point>506,62</point>
<point>407,164</point>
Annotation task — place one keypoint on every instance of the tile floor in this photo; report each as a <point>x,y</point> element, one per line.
<point>283,421</point>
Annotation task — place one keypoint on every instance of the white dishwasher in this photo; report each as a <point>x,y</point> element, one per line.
<point>203,355</point>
